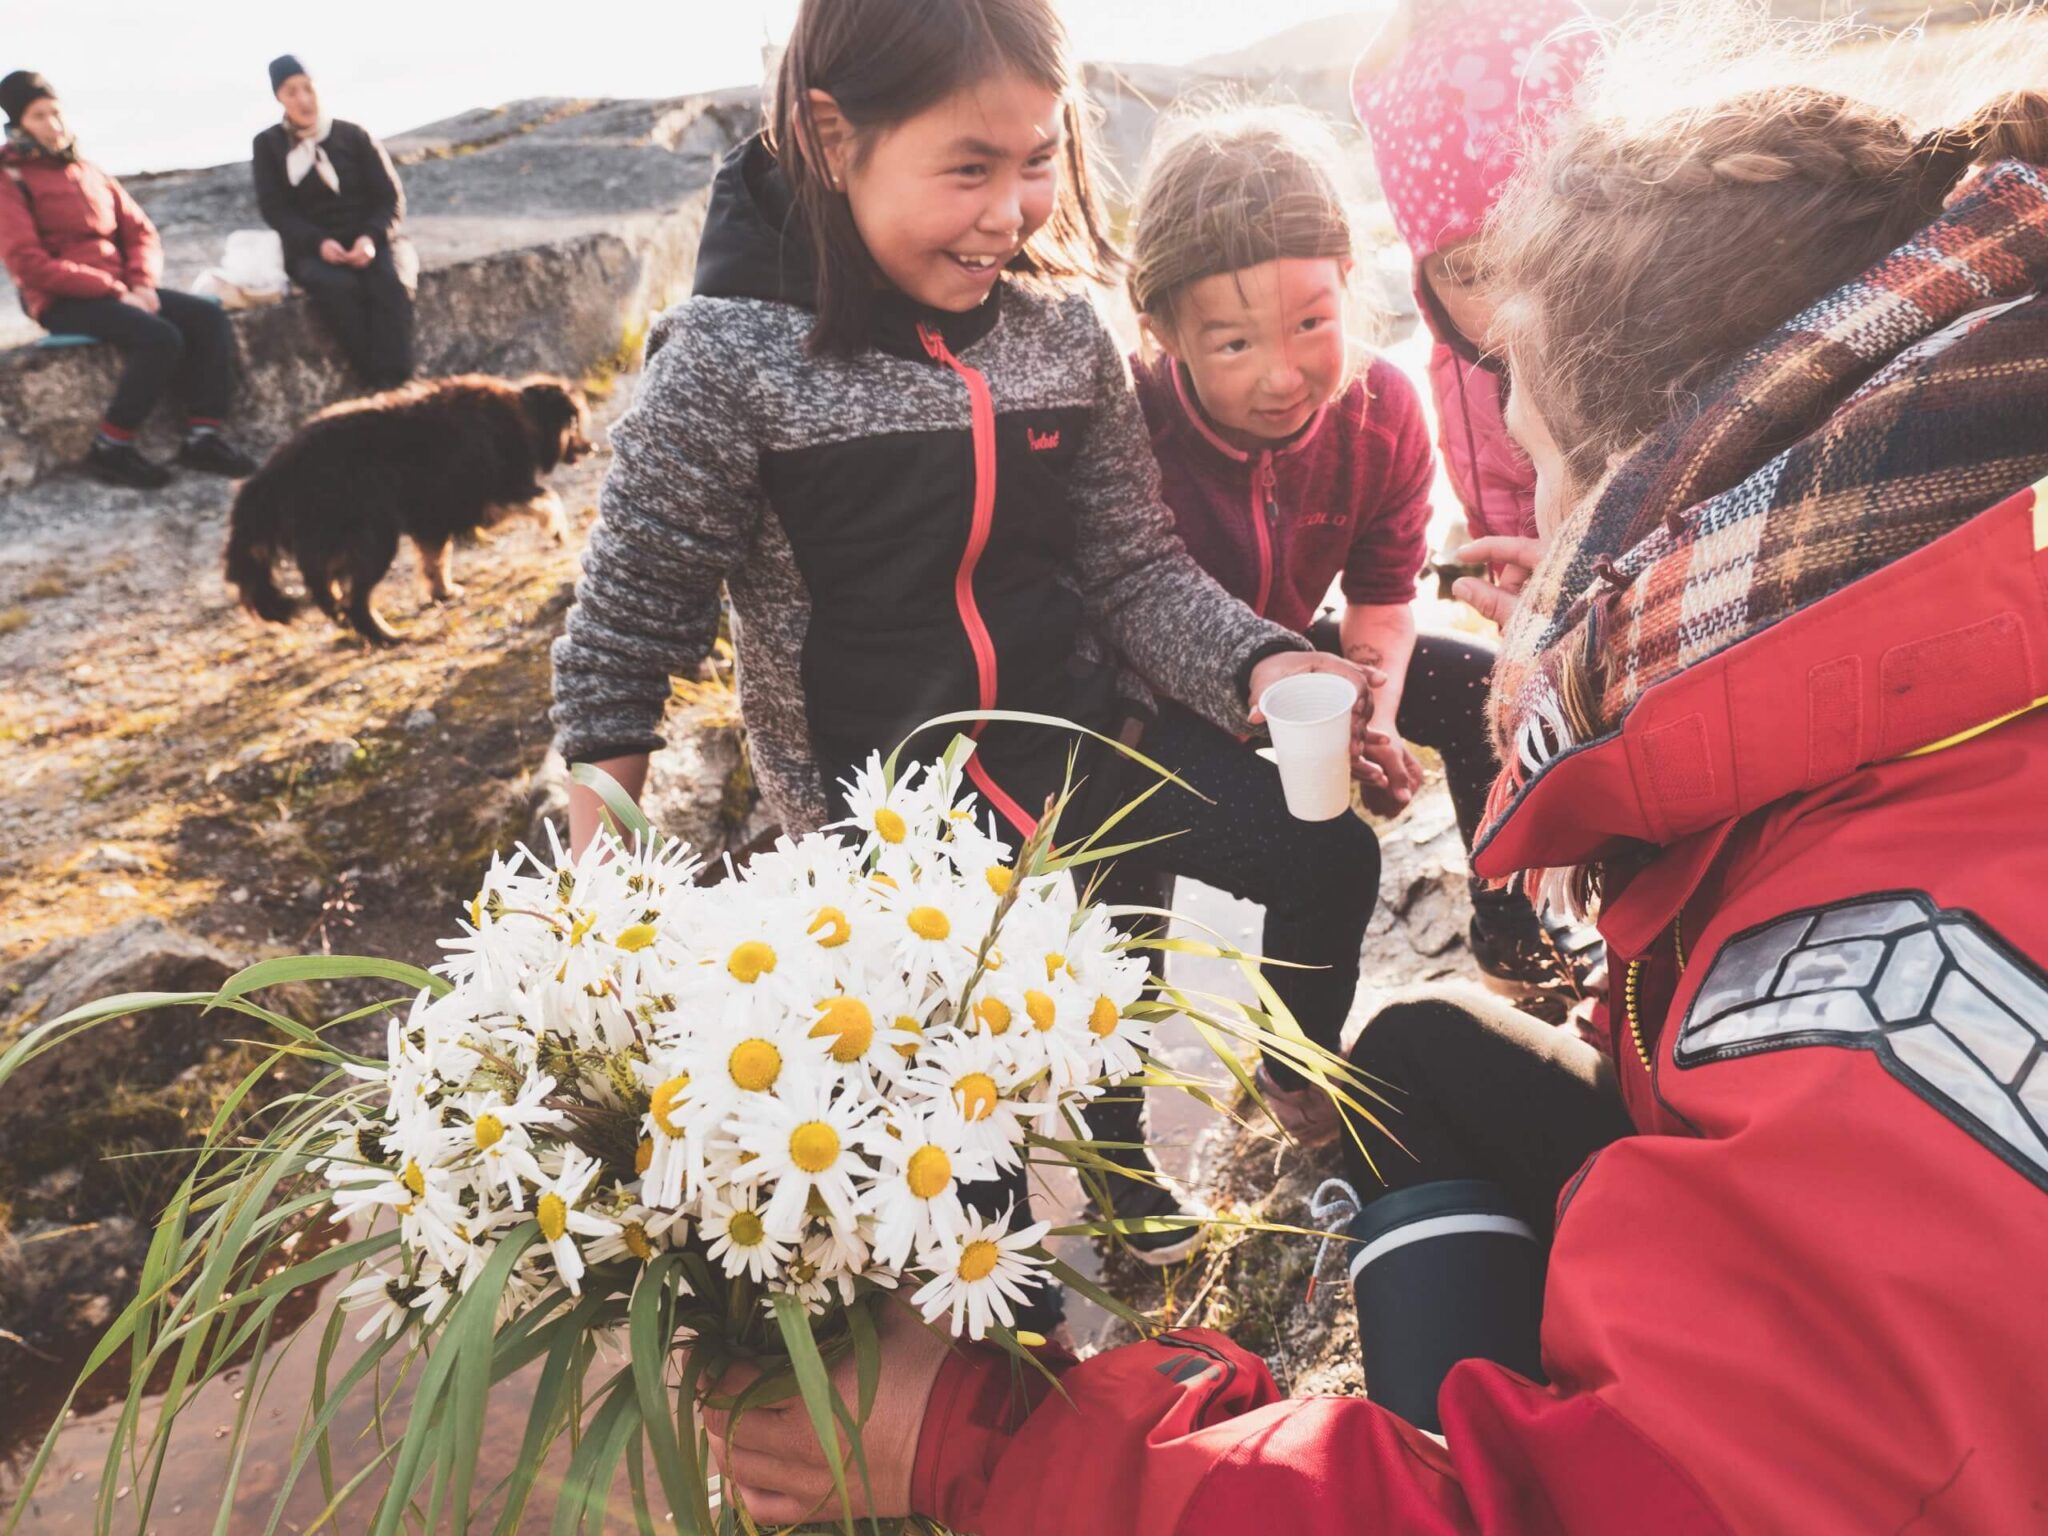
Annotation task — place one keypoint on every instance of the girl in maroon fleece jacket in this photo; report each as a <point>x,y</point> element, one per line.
<point>1289,468</point>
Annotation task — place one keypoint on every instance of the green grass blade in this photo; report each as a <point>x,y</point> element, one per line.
<point>816,1389</point>
<point>628,820</point>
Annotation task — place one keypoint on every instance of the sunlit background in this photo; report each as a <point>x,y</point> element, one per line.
<point>150,87</point>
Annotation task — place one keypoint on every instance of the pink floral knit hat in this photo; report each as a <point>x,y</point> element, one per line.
<point>1450,93</point>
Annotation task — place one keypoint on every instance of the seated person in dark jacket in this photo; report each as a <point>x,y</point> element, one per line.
<point>330,192</point>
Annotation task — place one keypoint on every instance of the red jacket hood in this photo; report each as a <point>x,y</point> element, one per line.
<point>1945,642</point>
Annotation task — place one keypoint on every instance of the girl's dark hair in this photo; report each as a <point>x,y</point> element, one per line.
<point>885,61</point>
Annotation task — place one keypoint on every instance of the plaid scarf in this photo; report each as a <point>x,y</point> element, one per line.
<point>1871,424</point>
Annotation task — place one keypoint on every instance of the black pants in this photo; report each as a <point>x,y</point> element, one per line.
<point>369,311</point>
<point>1317,880</point>
<point>1480,1090</point>
<point>187,343</point>
<point>1443,707</point>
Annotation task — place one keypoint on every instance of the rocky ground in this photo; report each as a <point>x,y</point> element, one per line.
<point>185,790</point>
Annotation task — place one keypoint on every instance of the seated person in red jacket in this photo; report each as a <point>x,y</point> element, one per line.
<point>1774,696</point>
<point>86,261</point>
<point>334,198</point>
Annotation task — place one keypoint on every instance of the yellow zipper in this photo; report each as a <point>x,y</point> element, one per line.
<point>1629,988</point>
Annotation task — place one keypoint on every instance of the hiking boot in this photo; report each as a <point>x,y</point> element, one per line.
<point>1306,1114</point>
<point>208,452</point>
<point>1522,952</point>
<point>1149,1194</point>
<point>123,464</point>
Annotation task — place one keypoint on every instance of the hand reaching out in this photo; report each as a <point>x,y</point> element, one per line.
<point>1512,560</point>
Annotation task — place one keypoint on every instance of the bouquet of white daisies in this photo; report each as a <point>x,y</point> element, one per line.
<point>711,1121</point>
<point>789,1079</point>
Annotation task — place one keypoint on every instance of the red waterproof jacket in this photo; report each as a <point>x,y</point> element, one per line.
<point>68,230</point>
<point>1347,496</point>
<point>1807,1297</point>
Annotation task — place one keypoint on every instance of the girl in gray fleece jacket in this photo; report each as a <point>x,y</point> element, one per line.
<point>893,427</point>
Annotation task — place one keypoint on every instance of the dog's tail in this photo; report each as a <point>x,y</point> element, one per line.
<point>253,529</point>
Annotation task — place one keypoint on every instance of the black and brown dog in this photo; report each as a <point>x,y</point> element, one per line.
<point>427,462</point>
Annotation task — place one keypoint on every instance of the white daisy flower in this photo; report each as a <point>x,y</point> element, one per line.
<point>387,1298</point>
<point>890,820</point>
<point>977,1278</point>
<point>972,1086</point>
<point>916,1194</point>
<point>738,1239</point>
<point>561,1222</point>
<point>803,1142</point>
<point>641,1234</point>
<point>501,1138</point>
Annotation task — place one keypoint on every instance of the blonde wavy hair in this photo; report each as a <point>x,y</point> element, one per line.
<point>1648,245</point>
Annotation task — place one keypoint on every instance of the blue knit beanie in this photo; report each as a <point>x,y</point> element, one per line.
<point>282,68</point>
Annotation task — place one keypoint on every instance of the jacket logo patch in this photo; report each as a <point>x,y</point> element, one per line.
<point>1182,1370</point>
<point>1042,442</point>
<point>1947,1006</point>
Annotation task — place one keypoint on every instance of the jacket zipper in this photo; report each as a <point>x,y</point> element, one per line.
<point>982,416</point>
<point>1266,523</point>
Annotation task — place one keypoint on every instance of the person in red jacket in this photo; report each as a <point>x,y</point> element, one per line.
<point>1776,692</point>
<point>86,261</point>
<point>1293,465</point>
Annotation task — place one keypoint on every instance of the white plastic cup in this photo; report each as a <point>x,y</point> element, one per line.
<point>1309,715</point>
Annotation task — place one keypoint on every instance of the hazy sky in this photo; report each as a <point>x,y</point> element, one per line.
<point>150,86</point>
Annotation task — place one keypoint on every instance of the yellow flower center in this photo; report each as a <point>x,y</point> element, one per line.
<point>929,923</point>
<point>890,825</point>
<point>754,1065</point>
<point>750,961</point>
<point>830,928</point>
<point>977,1094</point>
<point>928,1172</point>
<point>999,878</point>
<point>994,1014</point>
<point>635,937</point>
<point>635,1238</point>
<point>580,928</point>
<point>643,1154</point>
<point>848,1024</point>
<point>1102,1017</point>
<point>490,1130</point>
<point>668,1098</point>
<point>814,1146</point>
<point>1040,1009</point>
<point>1054,964</point>
<point>553,1215</point>
<point>413,1179</point>
<point>909,1025</point>
<point>745,1229</point>
<point>978,1259</point>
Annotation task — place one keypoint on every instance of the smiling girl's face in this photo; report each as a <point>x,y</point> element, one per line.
<point>1264,347</point>
<point>946,199</point>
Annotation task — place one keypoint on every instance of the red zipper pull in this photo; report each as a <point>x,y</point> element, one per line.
<point>1271,482</point>
<point>934,343</point>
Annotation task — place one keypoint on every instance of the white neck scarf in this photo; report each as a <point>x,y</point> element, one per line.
<point>307,154</point>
